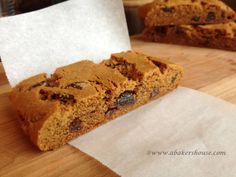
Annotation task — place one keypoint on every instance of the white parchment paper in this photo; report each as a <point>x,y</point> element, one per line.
<point>185,121</point>
<point>41,41</point>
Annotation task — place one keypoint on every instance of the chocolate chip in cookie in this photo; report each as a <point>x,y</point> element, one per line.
<point>179,30</point>
<point>63,97</point>
<point>195,18</point>
<point>42,83</point>
<point>126,98</point>
<point>161,30</point>
<point>43,94</point>
<point>168,9</point>
<point>75,125</point>
<point>211,17</point>
<point>77,85</point>
<point>154,93</point>
<point>109,112</point>
<point>173,78</point>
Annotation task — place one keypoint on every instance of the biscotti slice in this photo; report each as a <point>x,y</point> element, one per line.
<point>186,12</point>
<point>154,76</point>
<point>79,97</point>
<point>221,36</point>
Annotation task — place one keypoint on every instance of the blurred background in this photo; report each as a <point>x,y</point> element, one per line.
<point>135,24</point>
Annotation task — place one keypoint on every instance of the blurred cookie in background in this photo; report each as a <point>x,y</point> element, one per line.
<point>200,23</point>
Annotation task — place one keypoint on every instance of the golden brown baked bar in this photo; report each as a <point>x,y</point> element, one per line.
<point>221,36</point>
<point>186,12</point>
<point>81,96</point>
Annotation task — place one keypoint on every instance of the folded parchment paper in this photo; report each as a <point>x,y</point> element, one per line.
<point>62,34</point>
<point>184,134</point>
<point>183,124</point>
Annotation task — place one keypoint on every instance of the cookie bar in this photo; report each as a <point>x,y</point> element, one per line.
<point>220,36</point>
<point>79,97</point>
<point>186,12</point>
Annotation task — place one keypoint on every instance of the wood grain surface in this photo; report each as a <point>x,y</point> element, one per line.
<point>208,70</point>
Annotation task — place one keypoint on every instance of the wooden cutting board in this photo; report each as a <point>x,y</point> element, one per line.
<point>207,70</point>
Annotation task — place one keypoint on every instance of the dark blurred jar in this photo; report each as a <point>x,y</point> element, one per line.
<point>133,16</point>
<point>7,7</point>
<point>13,7</point>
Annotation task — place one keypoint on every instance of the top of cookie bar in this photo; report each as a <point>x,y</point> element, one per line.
<point>137,66</point>
<point>195,2</point>
<point>81,79</point>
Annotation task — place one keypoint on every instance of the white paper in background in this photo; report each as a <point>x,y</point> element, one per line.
<point>43,40</point>
<point>183,120</point>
